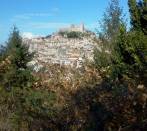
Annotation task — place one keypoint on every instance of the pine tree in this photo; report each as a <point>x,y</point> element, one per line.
<point>138,14</point>
<point>134,14</point>
<point>111,20</point>
<point>143,18</point>
<point>18,74</point>
<point>130,50</point>
<point>130,55</point>
<point>110,25</point>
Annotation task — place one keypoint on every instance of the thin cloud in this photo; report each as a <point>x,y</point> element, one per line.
<point>21,17</point>
<point>48,25</point>
<point>39,14</point>
<point>28,16</point>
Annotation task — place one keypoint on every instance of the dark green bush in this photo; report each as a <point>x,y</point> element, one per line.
<point>74,34</point>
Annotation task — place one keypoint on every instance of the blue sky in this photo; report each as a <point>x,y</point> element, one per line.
<point>42,17</point>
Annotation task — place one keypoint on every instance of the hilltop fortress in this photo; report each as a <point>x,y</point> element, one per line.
<point>58,49</point>
<point>77,28</point>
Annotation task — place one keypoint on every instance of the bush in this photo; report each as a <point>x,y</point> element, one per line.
<point>130,56</point>
<point>74,35</point>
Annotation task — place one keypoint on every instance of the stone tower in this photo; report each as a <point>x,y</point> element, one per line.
<point>82,28</point>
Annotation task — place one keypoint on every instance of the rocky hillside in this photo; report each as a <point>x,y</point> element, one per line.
<point>68,49</point>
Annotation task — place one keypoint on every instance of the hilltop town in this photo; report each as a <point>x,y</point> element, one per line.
<point>60,48</point>
<point>73,79</point>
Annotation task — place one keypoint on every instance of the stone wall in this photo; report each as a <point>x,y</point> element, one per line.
<point>76,28</point>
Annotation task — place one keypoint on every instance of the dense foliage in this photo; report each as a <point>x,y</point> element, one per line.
<point>107,95</point>
<point>72,34</point>
<point>21,106</point>
<point>138,11</point>
<point>130,51</point>
<point>110,24</point>
<point>16,58</point>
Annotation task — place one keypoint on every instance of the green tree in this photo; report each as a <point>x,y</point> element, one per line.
<point>2,52</point>
<point>18,74</point>
<point>110,25</point>
<point>134,14</point>
<point>138,14</point>
<point>22,106</point>
<point>130,51</point>
<point>144,17</point>
<point>130,55</point>
<point>111,21</point>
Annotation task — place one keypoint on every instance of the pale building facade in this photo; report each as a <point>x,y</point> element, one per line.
<point>76,28</point>
<point>62,51</point>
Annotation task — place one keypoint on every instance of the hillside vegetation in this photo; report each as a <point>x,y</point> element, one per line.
<point>109,94</point>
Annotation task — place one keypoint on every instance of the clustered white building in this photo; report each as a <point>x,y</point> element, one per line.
<point>63,51</point>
